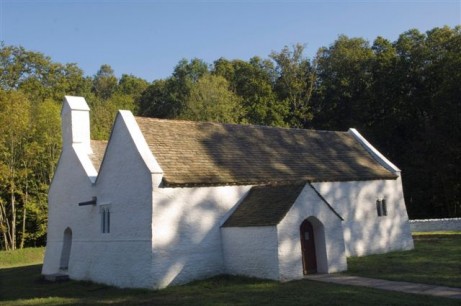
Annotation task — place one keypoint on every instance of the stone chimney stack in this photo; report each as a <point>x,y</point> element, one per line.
<point>75,122</point>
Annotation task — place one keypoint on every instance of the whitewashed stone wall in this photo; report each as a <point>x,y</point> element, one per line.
<point>72,183</point>
<point>123,256</point>
<point>75,123</point>
<point>186,232</point>
<point>251,251</point>
<point>431,225</point>
<point>329,243</point>
<point>364,232</point>
<point>70,186</point>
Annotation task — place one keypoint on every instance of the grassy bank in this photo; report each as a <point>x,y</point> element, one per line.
<point>21,257</point>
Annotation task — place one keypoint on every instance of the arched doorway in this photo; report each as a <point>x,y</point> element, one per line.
<point>66,247</point>
<point>308,248</point>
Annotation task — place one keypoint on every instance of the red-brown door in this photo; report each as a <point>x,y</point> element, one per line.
<point>308,248</point>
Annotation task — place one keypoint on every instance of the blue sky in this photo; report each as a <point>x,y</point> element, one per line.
<point>148,38</point>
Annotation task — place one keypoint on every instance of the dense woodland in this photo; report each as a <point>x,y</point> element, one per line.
<point>403,96</point>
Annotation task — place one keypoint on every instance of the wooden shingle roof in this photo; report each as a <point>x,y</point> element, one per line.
<point>204,153</point>
<point>264,206</point>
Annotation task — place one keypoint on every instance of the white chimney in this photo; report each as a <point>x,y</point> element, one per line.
<point>75,122</point>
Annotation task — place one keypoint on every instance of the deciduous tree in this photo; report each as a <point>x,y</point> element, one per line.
<point>211,100</point>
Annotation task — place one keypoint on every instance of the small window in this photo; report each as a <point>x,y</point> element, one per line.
<point>105,219</point>
<point>381,208</point>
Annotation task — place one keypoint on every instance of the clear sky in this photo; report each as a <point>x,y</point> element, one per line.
<point>148,38</point>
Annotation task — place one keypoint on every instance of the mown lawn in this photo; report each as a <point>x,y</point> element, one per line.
<point>435,260</point>
<point>20,284</point>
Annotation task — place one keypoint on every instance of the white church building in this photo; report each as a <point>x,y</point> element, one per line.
<point>165,202</point>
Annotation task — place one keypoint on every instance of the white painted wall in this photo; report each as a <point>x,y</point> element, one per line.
<point>430,225</point>
<point>72,183</point>
<point>330,251</point>
<point>365,232</point>
<point>75,122</point>
<point>251,251</point>
<point>186,232</point>
<point>70,186</point>
<point>123,256</point>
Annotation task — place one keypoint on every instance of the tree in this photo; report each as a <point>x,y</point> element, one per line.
<point>14,132</point>
<point>344,79</point>
<point>253,81</point>
<point>29,147</point>
<point>103,113</point>
<point>185,75</point>
<point>211,100</point>
<point>430,114</point>
<point>104,82</point>
<point>43,150</point>
<point>294,84</point>
<point>132,86</point>
<point>167,98</point>
<point>154,101</point>
<point>37,76</point>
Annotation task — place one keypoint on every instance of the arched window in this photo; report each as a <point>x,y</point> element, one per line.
<point>66,247</point>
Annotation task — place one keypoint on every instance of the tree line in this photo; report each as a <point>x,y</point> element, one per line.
<point>404,96</point>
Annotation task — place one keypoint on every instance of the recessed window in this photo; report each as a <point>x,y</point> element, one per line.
<point>105,219</point>
<point>381,208</point>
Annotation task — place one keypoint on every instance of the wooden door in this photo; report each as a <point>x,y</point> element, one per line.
<point>308,248</point>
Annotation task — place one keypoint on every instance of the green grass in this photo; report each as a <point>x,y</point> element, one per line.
<point>21,257</point>
<point>20,283</point>
<point>21,286</point>
<point>435,260</point>
<point>417,234</point>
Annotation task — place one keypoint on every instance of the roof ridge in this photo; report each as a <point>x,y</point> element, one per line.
<point>249,125</point>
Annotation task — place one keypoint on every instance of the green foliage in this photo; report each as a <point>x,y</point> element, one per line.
<point>30,148</point>
<point>104,82</point>
<point>103,113</point>
<point>344,78</point>
<point>131,86</point>
<point>211,100</point>
<point>167,98</point>
<point>295,79</point>
<point>253,82</point>
<point>155,100</point>
<point>38,77</point>
<point>403,96</point>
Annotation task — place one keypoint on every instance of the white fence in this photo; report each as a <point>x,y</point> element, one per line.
<point>430,225</point>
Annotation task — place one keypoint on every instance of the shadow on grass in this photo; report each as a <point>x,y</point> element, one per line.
<point>22,285</point>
